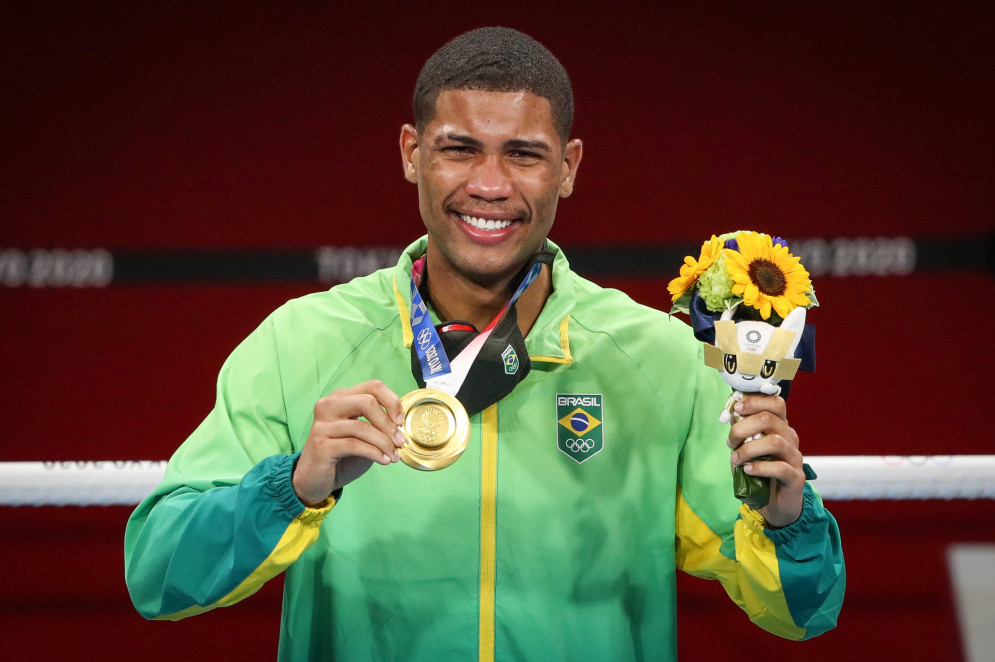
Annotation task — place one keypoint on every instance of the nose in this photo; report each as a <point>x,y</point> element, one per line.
<point>489,180</point>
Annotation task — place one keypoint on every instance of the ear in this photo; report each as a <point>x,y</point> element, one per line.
<point>409,153</point>
<point>795,321</point>
<point>571,162</point>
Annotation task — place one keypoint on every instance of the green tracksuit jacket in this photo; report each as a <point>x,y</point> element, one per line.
<point>556,536</point>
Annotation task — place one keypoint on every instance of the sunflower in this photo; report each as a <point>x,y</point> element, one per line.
<point>767,275</point>
<point>691,269</point>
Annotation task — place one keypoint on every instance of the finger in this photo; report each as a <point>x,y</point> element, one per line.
<point>782,472</point>
<point>360,404</point>
<point>763,422</point>
<point>336,432</point>
<point>772,446</point>
<point>389,401</point>
<point>390,418</point>
<point>755,403</point>
<point>371,407</point>
<point>385,397</point>
<point>360,448</point>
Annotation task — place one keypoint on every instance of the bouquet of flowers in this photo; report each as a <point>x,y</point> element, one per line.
<point>743,267</point>
<point>748,294</point>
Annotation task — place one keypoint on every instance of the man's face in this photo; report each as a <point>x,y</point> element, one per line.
<point>490,169</point>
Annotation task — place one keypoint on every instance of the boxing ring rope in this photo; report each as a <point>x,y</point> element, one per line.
<point>841,478</point>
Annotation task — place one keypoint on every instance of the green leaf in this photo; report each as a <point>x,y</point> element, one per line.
<point>683,303</point>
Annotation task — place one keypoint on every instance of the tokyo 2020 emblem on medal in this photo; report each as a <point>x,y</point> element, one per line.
<point>579,425</point>
<point>437,427</point>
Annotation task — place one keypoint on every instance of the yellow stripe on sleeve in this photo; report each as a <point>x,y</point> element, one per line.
<point>300,534</point>
<point>752,579</point>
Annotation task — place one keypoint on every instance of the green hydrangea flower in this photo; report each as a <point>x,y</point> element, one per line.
<point>715,287</point>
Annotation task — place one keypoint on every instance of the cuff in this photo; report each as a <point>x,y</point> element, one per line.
<point>811,522</point>
<point>282,483</point>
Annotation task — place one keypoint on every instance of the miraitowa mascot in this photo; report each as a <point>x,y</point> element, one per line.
<point>747,296</point>
<point>753,357</point>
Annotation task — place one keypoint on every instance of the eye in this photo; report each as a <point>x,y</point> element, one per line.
<point>524,157</point>
<point>768,369</point>
<point>730,363</point>
<point>457,151</point>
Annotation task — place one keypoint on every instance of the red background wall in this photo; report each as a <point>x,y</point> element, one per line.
<point>275,127</point>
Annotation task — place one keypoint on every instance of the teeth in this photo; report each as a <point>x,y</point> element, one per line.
<point>482,224</point>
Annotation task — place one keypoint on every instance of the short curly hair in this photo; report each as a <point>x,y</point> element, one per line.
<point>495,60</point>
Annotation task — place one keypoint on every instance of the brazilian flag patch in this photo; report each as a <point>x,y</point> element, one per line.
<point>580,425</point>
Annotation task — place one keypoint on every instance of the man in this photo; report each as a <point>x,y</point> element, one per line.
<point>554,536</point>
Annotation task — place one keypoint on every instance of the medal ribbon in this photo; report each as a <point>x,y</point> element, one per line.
<point>437,370</point>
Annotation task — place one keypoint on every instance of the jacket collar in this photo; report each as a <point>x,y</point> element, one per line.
<point>548,340</point>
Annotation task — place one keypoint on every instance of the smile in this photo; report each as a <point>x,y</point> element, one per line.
<point>485,224</point>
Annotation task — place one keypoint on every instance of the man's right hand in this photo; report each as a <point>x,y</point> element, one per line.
<point>341,446</point>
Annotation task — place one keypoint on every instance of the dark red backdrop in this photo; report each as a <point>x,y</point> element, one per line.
<point>271,127</point>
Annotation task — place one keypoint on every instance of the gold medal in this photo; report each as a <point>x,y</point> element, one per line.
<point>437,427</point>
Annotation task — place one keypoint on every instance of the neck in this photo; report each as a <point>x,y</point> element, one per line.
<point>455,297</point>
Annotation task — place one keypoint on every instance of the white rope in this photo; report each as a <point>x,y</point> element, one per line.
<point>78,483</point>
<point>841,478</point>
<point>875,477</point>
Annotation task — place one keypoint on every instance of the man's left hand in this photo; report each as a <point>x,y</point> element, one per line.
<point>767,415</point>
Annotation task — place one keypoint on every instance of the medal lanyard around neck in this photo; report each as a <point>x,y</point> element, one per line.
<point>435,365</point>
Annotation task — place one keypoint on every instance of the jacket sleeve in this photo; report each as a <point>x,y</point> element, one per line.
<point>790,581</point>
<point>225,518</point>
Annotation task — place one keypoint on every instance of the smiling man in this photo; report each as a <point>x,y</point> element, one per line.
<point>490,168</point>
<point>591,467</point>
